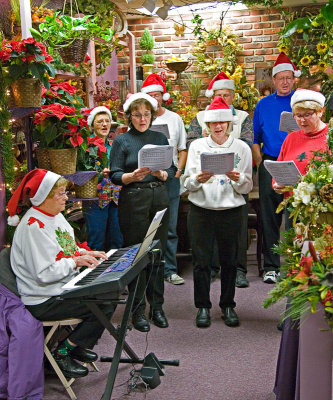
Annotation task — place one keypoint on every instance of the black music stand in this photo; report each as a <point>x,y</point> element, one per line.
<point>119,335</point>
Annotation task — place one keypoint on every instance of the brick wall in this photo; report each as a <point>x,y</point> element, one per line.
<point>257,32</point>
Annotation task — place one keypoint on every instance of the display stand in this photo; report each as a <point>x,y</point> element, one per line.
<point>315,357</point>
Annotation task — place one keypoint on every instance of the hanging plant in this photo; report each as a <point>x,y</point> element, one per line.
<point>308,41</point>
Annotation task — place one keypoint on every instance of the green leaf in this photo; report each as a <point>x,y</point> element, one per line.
<point>37,35</point>
<point>300,23</point>
<point>327,11</point>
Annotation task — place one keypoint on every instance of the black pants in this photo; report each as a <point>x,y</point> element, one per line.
<point>204,227</point>
<point>87,332</point>
<point>271,222</point>
<point>137,207</point>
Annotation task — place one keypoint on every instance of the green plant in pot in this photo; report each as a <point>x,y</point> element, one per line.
<point>147,59</point>
<point>70,36</point>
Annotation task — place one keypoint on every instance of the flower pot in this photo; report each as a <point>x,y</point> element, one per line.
<point>147,70</point>
<point>43,159</point>
<point>27,92</point>
<point>88,190</point>
<point>63,161</point>
<point>325,218</point>
<point>75,52</point>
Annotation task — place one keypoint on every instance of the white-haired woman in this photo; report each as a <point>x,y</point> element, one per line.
<point>215,212</point>
<point>298,146</point>
<point>143,193</point>
<point>102,216</point>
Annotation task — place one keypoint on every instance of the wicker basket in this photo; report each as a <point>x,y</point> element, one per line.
<point>75,53</point>
<point>88,190</point>
<point>43,159</point>
<point>63,161</point>
<point>27,92</point>
<point>325,218</point>
<point>10,98</point>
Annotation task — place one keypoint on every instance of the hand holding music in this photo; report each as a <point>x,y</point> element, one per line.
<point>204,176</point>
<point>160,174</point>
<point>233,175</point>
<point>140,173</point>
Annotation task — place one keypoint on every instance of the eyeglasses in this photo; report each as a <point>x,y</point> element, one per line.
<point>305,116</point>
<point>62,194</point>
<point>103,121</point>
<point>287,79</point>
<point>146,115</point>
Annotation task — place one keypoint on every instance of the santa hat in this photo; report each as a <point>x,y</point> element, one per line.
<point>306,94</point>
<point>220,81</point>
<point>137,96</point>
<point>283,63</point>
<point>154,83</point>
<point>97,110</point>
<point>218,111</point>
<point>37,184</point>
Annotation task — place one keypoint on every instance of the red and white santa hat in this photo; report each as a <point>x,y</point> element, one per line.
<point>97,110</point>
<point>218,111</point>
<point>307,94</point>
<point>37,184</point>
<point>132,97</point>
<point>220,81</point>
<point>283,63</point>
<point>154,83</point>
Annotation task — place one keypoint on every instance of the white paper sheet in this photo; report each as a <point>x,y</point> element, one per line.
<point>155,157</point>
<point>217,164</point>
<point>288,122</point>
<point>285,173</point>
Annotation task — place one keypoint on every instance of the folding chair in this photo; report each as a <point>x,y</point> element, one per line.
<point>50,338</point>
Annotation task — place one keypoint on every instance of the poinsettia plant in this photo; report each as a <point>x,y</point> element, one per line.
<point>61,92</point>
<point>59,127</point>
<point>26,59</point>
<point>92,155</point>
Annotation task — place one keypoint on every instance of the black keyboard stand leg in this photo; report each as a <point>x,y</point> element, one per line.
<point>121,343</point>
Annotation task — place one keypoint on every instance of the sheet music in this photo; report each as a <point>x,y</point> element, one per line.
<point>217,164</point>
<point>288,122</point>
<point>285,173</point>
<point>155,157</point>
<point>162,128</point>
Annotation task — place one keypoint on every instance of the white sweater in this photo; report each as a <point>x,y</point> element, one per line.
<point>219,192</point>
<point>37,255</point>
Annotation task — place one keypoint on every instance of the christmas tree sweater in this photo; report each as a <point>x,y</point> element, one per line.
<point>41,255</point>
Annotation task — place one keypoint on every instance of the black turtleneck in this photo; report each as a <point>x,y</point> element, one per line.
<point>124,153</point>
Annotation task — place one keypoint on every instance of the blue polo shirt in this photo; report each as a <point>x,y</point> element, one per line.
<point>266,122</point>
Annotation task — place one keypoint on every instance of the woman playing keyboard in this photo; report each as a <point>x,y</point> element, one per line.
<point>44,257</point>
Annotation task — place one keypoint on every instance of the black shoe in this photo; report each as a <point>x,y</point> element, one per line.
<point>83,355</point>
<point>279,326</point>
<point>202,319</point>
<point>140,322</point>
<point>71,368</point>
<point>241,280</point>
<point>230,317</point>
<point>214,272</point>
<point>159,318</point>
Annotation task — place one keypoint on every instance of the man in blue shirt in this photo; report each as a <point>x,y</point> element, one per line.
<point>266,121</point>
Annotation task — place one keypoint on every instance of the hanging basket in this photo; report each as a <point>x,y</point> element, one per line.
<point>88,190</point>
<point>325,218</point>
<point>10,98</point>
<point>74,53</point>
<point>63,161</point>
<point>27,92</point>
<point>43,159</point>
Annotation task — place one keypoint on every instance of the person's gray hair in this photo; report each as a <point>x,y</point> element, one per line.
<point>307,105</point>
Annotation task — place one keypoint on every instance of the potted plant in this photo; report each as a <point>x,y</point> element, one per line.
<point>70,36</point>
<point>147,59</point>
<point>29,67</point>
<point>60,129</point>
<point>92,156</point>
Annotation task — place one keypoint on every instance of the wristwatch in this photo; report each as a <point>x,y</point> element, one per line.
<point>180,170</point>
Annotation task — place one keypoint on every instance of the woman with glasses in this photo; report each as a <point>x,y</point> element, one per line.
<point>298,146</point>
<point>102,216</point>
<point>143,193</point>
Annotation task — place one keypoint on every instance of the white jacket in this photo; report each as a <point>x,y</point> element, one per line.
<point>219,192</point>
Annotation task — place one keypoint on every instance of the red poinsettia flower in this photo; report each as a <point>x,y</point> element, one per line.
<point>83,245</point>
<point>96,141</point>
<point>76,140</point>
